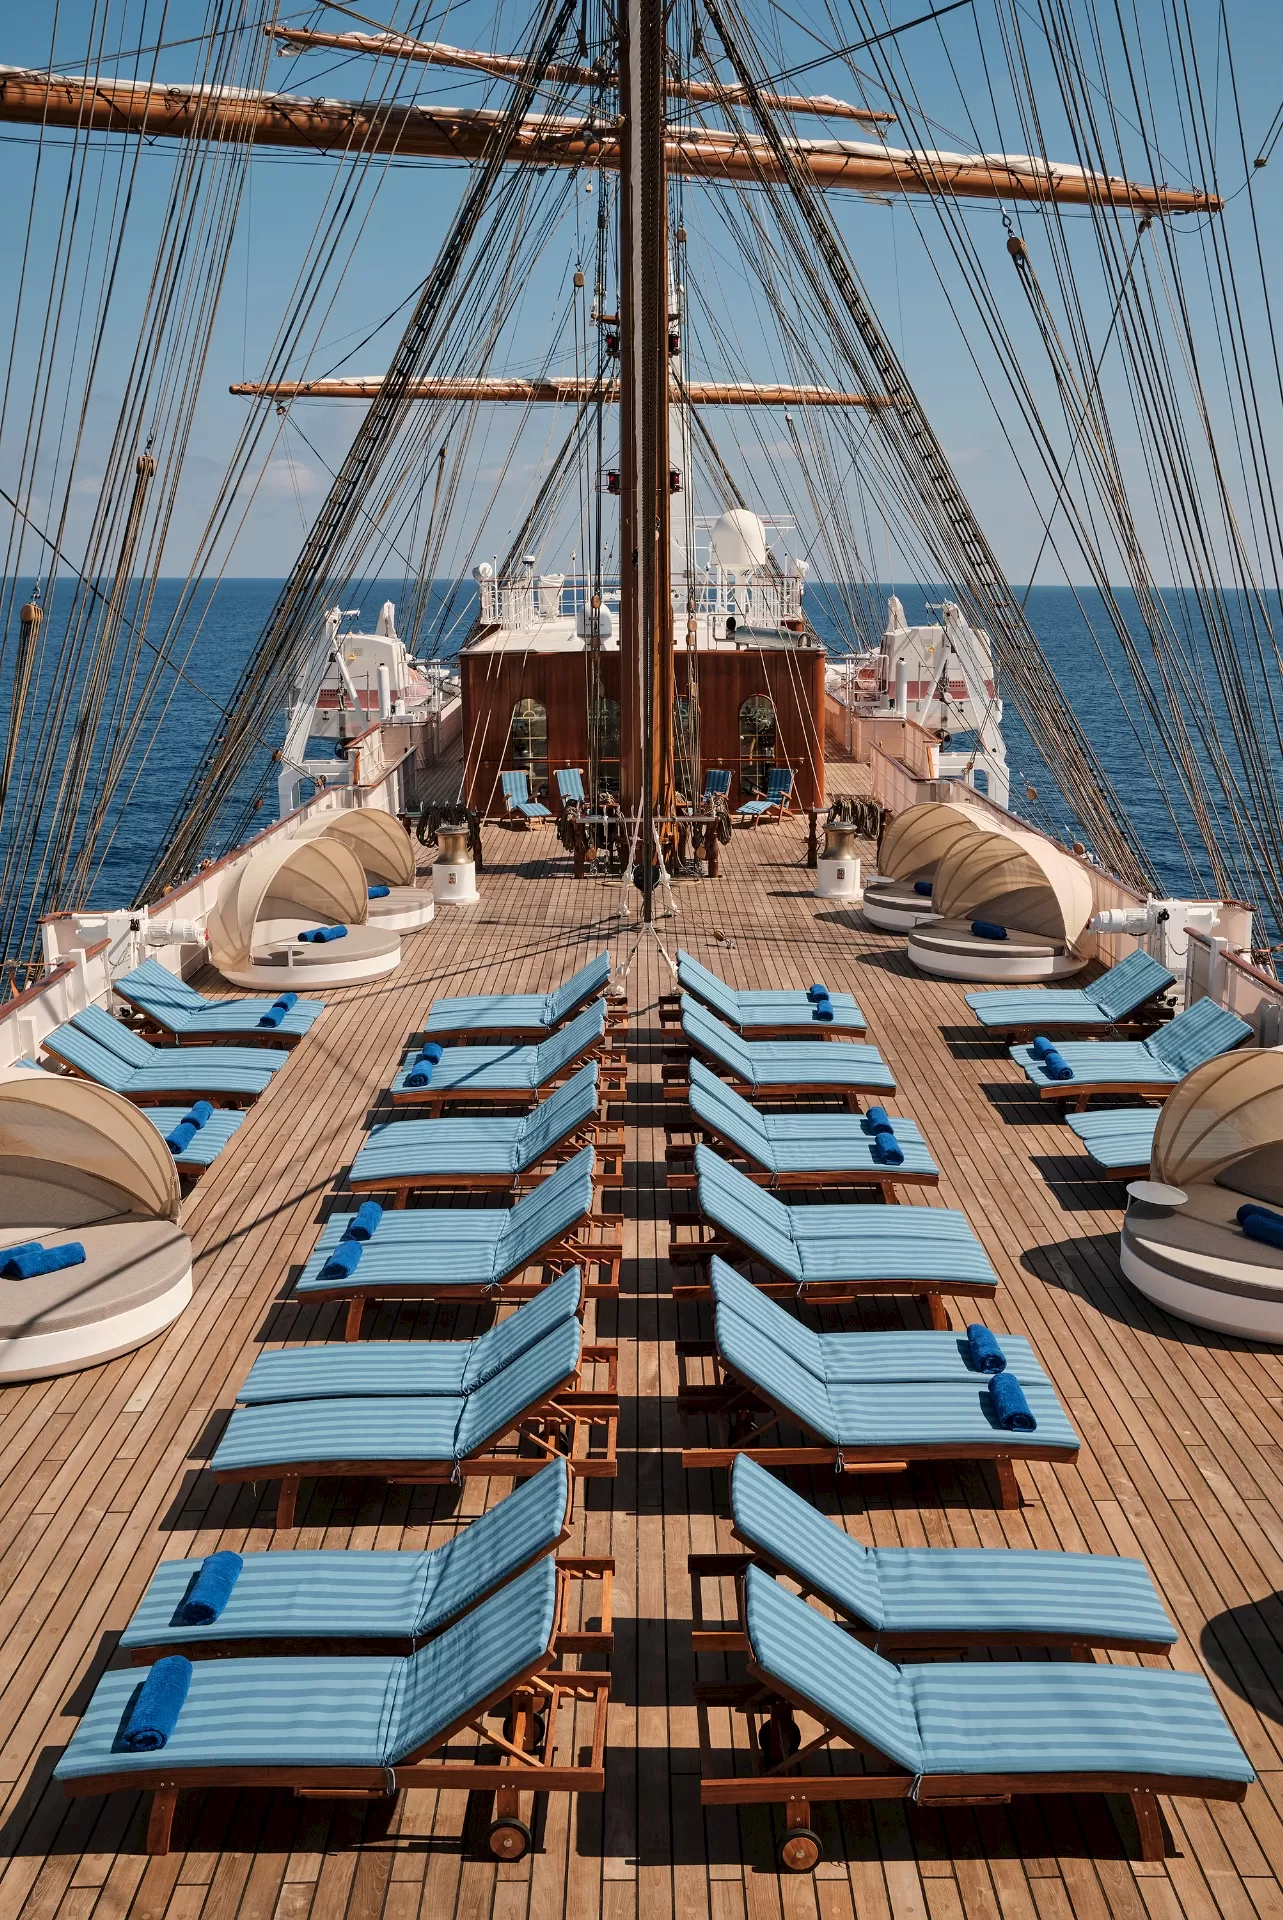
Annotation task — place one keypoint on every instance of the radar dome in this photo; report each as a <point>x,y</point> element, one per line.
<point>738,541</point>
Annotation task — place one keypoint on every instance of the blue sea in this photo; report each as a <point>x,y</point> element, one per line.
<point>235,618</point>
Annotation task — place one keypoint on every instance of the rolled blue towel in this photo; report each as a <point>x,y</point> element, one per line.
<point>210,1591</point>
<point>343,1260</point>
<point>988,930</point>
<point>886,1148</point>
<point>181,1138</point>
<point>1055,1065</point>
<point>1260,1224</point>
<point>272,1018</point>
<point>817,991</point>
<point>378,893</point>
<point>822,1010</point>
<point>323,935</point>
<point>1254,1206</point>
<point>983,1351</point>
<point>285,1001</point>
<point>1041,1045</point>
<point>431,1051</point>
<point>29,1260</point>
<point>1009,1404</point>
<point>199,1113</point>
<point>364,1220</point>
<point>923,887</point>
<point>875,1118</point>
<point>420,1073</point>
<point>157,1705</point>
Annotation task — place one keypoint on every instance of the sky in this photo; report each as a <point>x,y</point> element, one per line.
<point>402,211</point>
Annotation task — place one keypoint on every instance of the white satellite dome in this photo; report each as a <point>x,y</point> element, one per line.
<point>738,541</point>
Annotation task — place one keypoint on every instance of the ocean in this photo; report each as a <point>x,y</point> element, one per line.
<point>239,608</point>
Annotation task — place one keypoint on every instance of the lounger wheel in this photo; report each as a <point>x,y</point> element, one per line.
<point>778,1738</point>
<point>800,1850</point>
<point>510,1839</point>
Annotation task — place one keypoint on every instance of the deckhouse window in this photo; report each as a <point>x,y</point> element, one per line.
<point>757,743</point>
<point>528,741</point>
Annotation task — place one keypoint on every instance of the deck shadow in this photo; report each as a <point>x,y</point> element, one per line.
<point>1018,1106</point>
<point>1075,1188</point>
<point>1244,1648</point>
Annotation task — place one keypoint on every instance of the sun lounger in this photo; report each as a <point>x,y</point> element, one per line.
<point>206,1143</point>
<point>352,1600</point>
<point>778,1068</point>
<point>420,1368</point>
<point>1119,1139</point>
<point>517,1016</point>
<point>782,1013</point>
<point>492,1151</point>
<point>717,785</point>
<point>516,796</point>
<point>862,1426</point>
<point>570,785</point>
<point>951,1733</point>
<point>1148,1068</point>
<point>97,1047</point>
<point>927,1597</point>
<point>173,1010</point>
<point>512,1074</point>
<point>834,1252</point>
<point>794,1149</point>
<point>365,1727</point>
<point>427,1440</point>
<point>779,789</point>
<point>468,1253</point>
<point>1111,1001</point>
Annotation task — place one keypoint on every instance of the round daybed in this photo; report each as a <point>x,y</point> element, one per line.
<point>79,1163</point>
<point>911,850</point>
<point>1016,881</point>
<point>1219,1142</point>
<point>386,853</point>
<point>288,887</point>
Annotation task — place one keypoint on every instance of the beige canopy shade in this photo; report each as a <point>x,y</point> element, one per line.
<point>1222,1114</point>
<point>378,840</point>
<point>1017,879</point>
<point>918,839</point>
<point>58,1124</point>
<point>321,880</point>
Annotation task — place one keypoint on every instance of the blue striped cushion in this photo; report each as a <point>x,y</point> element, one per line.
<point>732,1293</point>
<point>1117,1137</point>
<point>509,1338</point>
<point>728,1113</point>
<point>171,1002</point>
<point>479,1656</point>
<point>347,1371</point>
<point>787,1529</point>
<point>1094,1596</point>
<point>1200,1033</point>
<point>750,1213</point>
<point>137,1052</point>
<point>173,1070</point>
<point>590,979</point>
<point>485,1013</point>
<point>291,1433</point>
<point>813,1658</point>
<point>484,1554</point>
<point>1130,984</point>
<point>1021,1007</point>
<point>952,1413</point>
<point>755,1357</point>
<point>436,1149</point>
<point>208,1141</point>
<point>419,1247</point>
<point>784,1063</point>
<point>584,1031</point>
<point>1099,1061</point>
<point>498,1403</point>
<point>553,1119</point>
<point>544,1214</point>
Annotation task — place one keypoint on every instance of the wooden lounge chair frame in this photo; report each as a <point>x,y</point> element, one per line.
<point>1081,1094</point>
<point>741,1404</point>
<point>526,1763</point>
<point>563,1422</point>
<point>572,1569</point>
<point>777,1781</point>
<point>731,1636</point>
<point>163,1096</point>
<point>679,1157</point>
<point>596,1244</point>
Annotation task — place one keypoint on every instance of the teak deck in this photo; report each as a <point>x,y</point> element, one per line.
<point>103,1473</point>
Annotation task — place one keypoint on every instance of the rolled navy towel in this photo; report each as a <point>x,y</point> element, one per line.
<point>1009,1404</point>
<point>181,1138</point>
<point>886,1148</point>
<point>272,1018</point>
<point>199,1113</point>
<point>322,936</point>
<point>1259,1224</point>
<point>1041,1045</point>
<point>431,1051</point>
<point>876,1118</point>
<point>988,930</point>
<point>210,1590</point>
<point>817,991</point>
<point>343,1260</point>
<point>29,1260</point>
<point>923,887</point>
<point>822,1010</point>
<point>983,1351</point>
<point>157,1705</point>
<point>285,1001</point>
<point>1055,1065</point>
<point>364,1220</point>
<point>1254,1206</point>
<point>378,893</point>
<point>420,1073</point>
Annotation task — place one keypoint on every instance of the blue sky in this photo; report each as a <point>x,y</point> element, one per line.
<point>957,70</point>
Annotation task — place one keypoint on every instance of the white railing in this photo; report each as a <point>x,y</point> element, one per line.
<point>766,603</point>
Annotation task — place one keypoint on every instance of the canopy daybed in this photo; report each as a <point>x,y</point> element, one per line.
<point>80,1166</point>
<point>288,888</point>
<point>898,895</point>
<point>1030,902</point>
<point>386,852</point>
<point>1218,1147</point>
